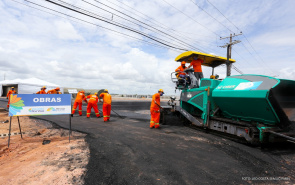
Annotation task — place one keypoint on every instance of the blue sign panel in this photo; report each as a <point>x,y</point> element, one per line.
<point>39,104</point>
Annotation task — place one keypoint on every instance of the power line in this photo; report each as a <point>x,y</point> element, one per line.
<point>150,18</point>
<point>256,58</point>
<point>191,18</point>
<point>211,16</point>
<point>144,23</point>
<point>107,19</point>
<point>184,37</point>
<point>243,35</point>
<point>89,23</point>
<point>97,15</point>
<point>165,33</point>
<point>235,68</point>
<point>240,56</point>
<point>256,52</point>
<point>132,30</point>
<point>100,19</point>
<point>223,15</point>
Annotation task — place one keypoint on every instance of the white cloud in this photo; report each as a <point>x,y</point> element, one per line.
<point>66,31</point>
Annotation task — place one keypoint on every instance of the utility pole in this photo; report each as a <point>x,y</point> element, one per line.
<point>228,54</point>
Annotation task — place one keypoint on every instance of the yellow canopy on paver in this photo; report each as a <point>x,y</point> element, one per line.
<point>209,60</point>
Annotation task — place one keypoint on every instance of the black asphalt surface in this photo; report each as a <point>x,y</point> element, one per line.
<point>127,151</point>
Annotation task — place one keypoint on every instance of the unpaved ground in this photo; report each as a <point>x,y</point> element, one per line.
<point>28,161</point>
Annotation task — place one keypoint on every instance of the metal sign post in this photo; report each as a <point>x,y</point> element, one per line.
<point>70,128</point>
<point>20,130</point>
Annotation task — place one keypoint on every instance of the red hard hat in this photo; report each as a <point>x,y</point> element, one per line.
<point>57,88</point>
<point>183,62</point>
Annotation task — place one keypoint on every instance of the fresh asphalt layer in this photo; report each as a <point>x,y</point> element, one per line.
<point>127,151</point>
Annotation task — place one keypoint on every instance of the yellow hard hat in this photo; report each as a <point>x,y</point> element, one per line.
<point>43,87</point>
<point>161,90</point>
<point>95,93</point>
<point>12,87</point>
<point>106,90</point>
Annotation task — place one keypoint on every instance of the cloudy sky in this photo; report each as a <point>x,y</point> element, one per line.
<point>75,50</point>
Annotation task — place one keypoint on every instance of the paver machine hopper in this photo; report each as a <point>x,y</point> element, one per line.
<point>260,109</point>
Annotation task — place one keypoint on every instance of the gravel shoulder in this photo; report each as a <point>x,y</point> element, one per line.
<point>31,161</point>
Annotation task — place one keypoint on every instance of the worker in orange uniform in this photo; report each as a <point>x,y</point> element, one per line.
<point>196,63</point>
<point>78,101</point>
<point>43,91</point>
<point>93,99</point>
<point>106,107</point>
<point>155,109</point>
<point>180,70</point>
<point>12,91</point>
<point>54,91</point>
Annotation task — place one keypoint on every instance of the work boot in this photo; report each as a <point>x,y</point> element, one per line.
<point>72,115</point>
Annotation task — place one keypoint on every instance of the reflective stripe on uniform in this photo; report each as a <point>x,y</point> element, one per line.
<point>88,113</point>
<point>73,109</point>
<point>156,123</point>
<point>80,110</point>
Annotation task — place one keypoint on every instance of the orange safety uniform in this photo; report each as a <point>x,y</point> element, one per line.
<point>52,91</point>
<point>180,69</point>
<point>106,107</point>
<point>78,101</point>
<point>41,92</point>
<point>155,111</point>
<point>8,96</point>
<point>92,103</point>
<point>197,65</point>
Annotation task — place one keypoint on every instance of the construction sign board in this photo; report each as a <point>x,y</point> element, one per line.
<point>39,104</point>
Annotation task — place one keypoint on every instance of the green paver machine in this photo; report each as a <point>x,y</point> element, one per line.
<point>260,109</point>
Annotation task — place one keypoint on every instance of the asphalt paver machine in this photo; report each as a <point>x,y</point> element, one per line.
<point>257,108</point>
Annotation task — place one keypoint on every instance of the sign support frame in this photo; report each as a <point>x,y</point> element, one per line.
<point>10,129</point>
